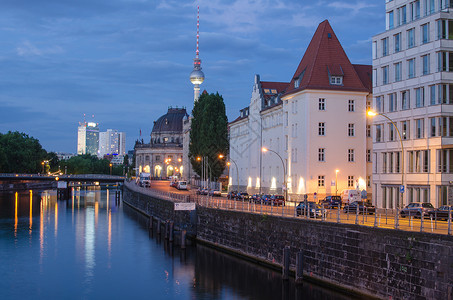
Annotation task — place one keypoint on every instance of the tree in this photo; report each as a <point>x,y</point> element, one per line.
<point>209,133</point>
<point>20,153</point>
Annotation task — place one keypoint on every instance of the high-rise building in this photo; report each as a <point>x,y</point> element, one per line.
<point>88,138</point>
<point>112,142</point>
<point>413,99</point>
<point>197,76</point>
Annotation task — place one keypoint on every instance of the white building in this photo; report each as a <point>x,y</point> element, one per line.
<point>112,142</point>
<point>316,123</point>
<point>413,87</point>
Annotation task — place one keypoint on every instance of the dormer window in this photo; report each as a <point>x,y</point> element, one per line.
<point>266,91</point>
<point>336,80</point>
<point>298,80</point>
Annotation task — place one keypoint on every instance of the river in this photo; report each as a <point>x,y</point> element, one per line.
<point>91,246</point>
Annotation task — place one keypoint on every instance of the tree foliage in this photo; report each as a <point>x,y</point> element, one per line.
<point>20,153</point>
<point>209,133</point>
<point>90,164</point>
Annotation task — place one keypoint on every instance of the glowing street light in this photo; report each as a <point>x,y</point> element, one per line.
<point>264,149</point>
<point>221,156</point>
<point>373,114</point>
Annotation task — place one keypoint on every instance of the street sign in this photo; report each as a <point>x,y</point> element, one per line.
<point>185,206</point>
<point>401,189</point>
<point>364,194</point>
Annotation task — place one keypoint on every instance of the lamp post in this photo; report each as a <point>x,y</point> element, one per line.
<point>110,165</point>
<point>373,114</point>
<point>264,149</point>
<point>237,169</point>
<point>336,182</point>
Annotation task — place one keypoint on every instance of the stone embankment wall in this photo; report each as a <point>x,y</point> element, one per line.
<point>380,262</point>
<point>161,209</point>
<point>384,263</point>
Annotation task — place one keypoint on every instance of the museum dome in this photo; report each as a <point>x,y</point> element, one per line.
<point>170,122</point>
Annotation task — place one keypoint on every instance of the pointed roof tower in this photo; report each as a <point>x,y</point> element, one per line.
<point>197,75</point>
<point>325,65</point>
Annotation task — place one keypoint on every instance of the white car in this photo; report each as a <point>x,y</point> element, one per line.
<point>181,185</point>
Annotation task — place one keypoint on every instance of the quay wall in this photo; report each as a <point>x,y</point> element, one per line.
<point>151,205</point>
<point>383,263</point>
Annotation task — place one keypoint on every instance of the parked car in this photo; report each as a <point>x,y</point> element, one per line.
<point>232,195</point>
<point>243,196</point>
<point>310,208</point>
<point>255,198</point>
<point>278,200</point>
<point>266,199</point>
<point>181,185</point>
<point>201,191</point>
<point>331,202</point>
<point>362,206</point>
<point>417,209</point>
<point>215,193</point>
<point>442,212</point>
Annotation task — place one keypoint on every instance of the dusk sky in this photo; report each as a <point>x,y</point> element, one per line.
<point>127,61</point>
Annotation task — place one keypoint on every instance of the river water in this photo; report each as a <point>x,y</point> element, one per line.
<point>91,246</point>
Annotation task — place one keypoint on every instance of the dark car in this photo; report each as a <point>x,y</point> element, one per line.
<point>362,206</point>
<point>278,200</point>
<point>266,199</point>
<point>417,209</point>
<point>232,195</point>
<point>442,212</point>
<point>215,193</point>
<point>331,202</point>
<point>310,208</point>
<point>243,196</point>
<point>255,198</point>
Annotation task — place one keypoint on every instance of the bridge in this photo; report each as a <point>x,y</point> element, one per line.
<point>68,178</point>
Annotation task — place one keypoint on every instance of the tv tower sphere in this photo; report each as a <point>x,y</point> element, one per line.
<point>197,76</point>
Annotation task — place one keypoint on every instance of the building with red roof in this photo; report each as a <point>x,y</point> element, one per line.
<point>312,125</point>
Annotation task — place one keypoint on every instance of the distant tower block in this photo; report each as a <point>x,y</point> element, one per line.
<point>197,76</point>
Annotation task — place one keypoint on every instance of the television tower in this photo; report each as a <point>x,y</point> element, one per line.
<point>197,76</point>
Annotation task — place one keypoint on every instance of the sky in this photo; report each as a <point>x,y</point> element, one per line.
<point>126,61</point>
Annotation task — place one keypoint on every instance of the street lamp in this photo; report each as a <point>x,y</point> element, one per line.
<point>237,169</point>
<point>336,182</point>
<point>373,114</point>
<point>264,149</point>
<point>110,169</point>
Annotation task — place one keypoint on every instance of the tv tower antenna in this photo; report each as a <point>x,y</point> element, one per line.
<point>197,76</point>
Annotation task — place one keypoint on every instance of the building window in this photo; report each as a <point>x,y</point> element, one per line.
<point>405,130</point>
<point>425,60</point>
<point>321,180</point>
<point>322,104</point>
<point>411,38</point>
<point>385,75</point>
<point>368,131</point>
<point>425,33</point>
<point>405,100</point>
<point>379,133</point>
<point>374,50</point>
<point>390,20</point>
<point>336,80</point>
<point>384,162</point>
<point>391,132</point>
<point>350,155</point>
<point>420,97</point>
<point>157,158</point>
<point>351,129</point>
<point>393,104</point>
<point>401,15</point>
<point>321,154</point>
<point>432,94</point>
<point>350,181</point>
<point>379,104</point>
<point>368,155</point>
<point>321,128</point>
<point>415,10</point>
<point>351,106</point>
<point>398,76</point>
<point>397,42</point>
<point>432,131</point>
<point>411,68</point>
<point>419,128</point>
<point>385,44</point>
<point>368,181</point>
<point>444,61</point>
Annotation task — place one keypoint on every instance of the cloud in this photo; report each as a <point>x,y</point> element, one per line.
<point>28,49</point>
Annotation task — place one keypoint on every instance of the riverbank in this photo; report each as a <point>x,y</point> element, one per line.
<point>362,260</point>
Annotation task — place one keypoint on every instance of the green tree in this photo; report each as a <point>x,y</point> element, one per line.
<point>20,153</point>
<point>209,133</point>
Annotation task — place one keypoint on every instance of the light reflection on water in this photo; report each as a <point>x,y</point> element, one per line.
<point>91,247</point>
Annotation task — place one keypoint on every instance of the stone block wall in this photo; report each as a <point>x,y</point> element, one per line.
<point>380,262</point>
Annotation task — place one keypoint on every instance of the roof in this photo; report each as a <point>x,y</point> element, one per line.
<point>325,56</point>
<point>364,72</point>
<point>170,122</point>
